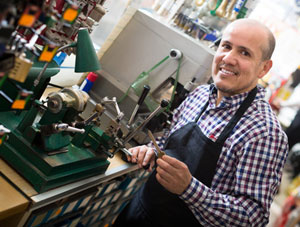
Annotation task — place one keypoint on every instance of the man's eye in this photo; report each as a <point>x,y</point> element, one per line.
<point>245,53</point>
<point>226,46</point>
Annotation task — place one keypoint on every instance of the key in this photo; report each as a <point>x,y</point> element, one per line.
<point>160,153</point>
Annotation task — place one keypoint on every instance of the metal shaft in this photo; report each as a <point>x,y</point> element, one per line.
<point>136,130</point>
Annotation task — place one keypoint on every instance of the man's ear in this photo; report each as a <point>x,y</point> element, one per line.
<point>266,66</point>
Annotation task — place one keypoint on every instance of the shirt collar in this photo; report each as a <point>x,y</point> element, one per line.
<point>235,100</point>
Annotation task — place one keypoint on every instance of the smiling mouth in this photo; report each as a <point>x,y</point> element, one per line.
<point>227,72</point>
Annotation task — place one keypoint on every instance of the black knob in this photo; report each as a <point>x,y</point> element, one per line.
<point>146,166</point>
<point>144,94</point>
<point>164,103</point>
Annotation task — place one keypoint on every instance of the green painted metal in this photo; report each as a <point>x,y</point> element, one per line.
<point>28,147</point>
<point>56,141</point>
<point>86,58</point>
<point>45,171</point>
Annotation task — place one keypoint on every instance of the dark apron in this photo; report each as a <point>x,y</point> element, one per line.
<point>154,205</point>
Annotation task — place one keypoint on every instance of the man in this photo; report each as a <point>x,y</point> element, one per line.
<point>225,150</point>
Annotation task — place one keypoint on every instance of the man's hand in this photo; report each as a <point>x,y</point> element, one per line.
<point>142,155</point>
<point>173,174</point>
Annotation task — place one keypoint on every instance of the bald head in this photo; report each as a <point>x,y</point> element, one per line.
<point>269,45</point>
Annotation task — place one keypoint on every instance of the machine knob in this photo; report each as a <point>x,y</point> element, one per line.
<point>164,103</point>
<point>175,54</point>
<point>140,102</point>
<point>144,94</point>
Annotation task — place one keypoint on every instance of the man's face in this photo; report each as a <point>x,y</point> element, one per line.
<point>238,64</point>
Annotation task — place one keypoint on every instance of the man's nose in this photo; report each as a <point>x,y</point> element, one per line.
<point>230,57</point>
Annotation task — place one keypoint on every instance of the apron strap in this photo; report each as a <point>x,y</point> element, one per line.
<point>201,112</point>
<point>237,116</point>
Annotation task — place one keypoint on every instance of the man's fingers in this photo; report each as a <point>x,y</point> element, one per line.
<point>141,155</point>
<point>149,157</point>
<point>175,163</point>
<point>164,174</point>
<point>134,152</point>
<point>165,164</point>
<point>162,181</point>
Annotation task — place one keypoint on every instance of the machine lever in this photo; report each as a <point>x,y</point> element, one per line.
<point>144,94</point>
<point>91,118</point>
<point>139,103</point>
<point>164,103</point>
<point>66,127</point>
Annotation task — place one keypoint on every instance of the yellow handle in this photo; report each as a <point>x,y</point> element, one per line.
<point>222,9</point>
<point>229,8</point>
<point>199,2</point>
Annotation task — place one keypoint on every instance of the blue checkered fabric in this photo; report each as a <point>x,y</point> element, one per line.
<point>250,165</point>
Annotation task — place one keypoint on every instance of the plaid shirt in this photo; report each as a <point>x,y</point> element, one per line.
<point>250,165</point>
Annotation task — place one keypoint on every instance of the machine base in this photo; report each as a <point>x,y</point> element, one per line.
<point>45,171</point>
